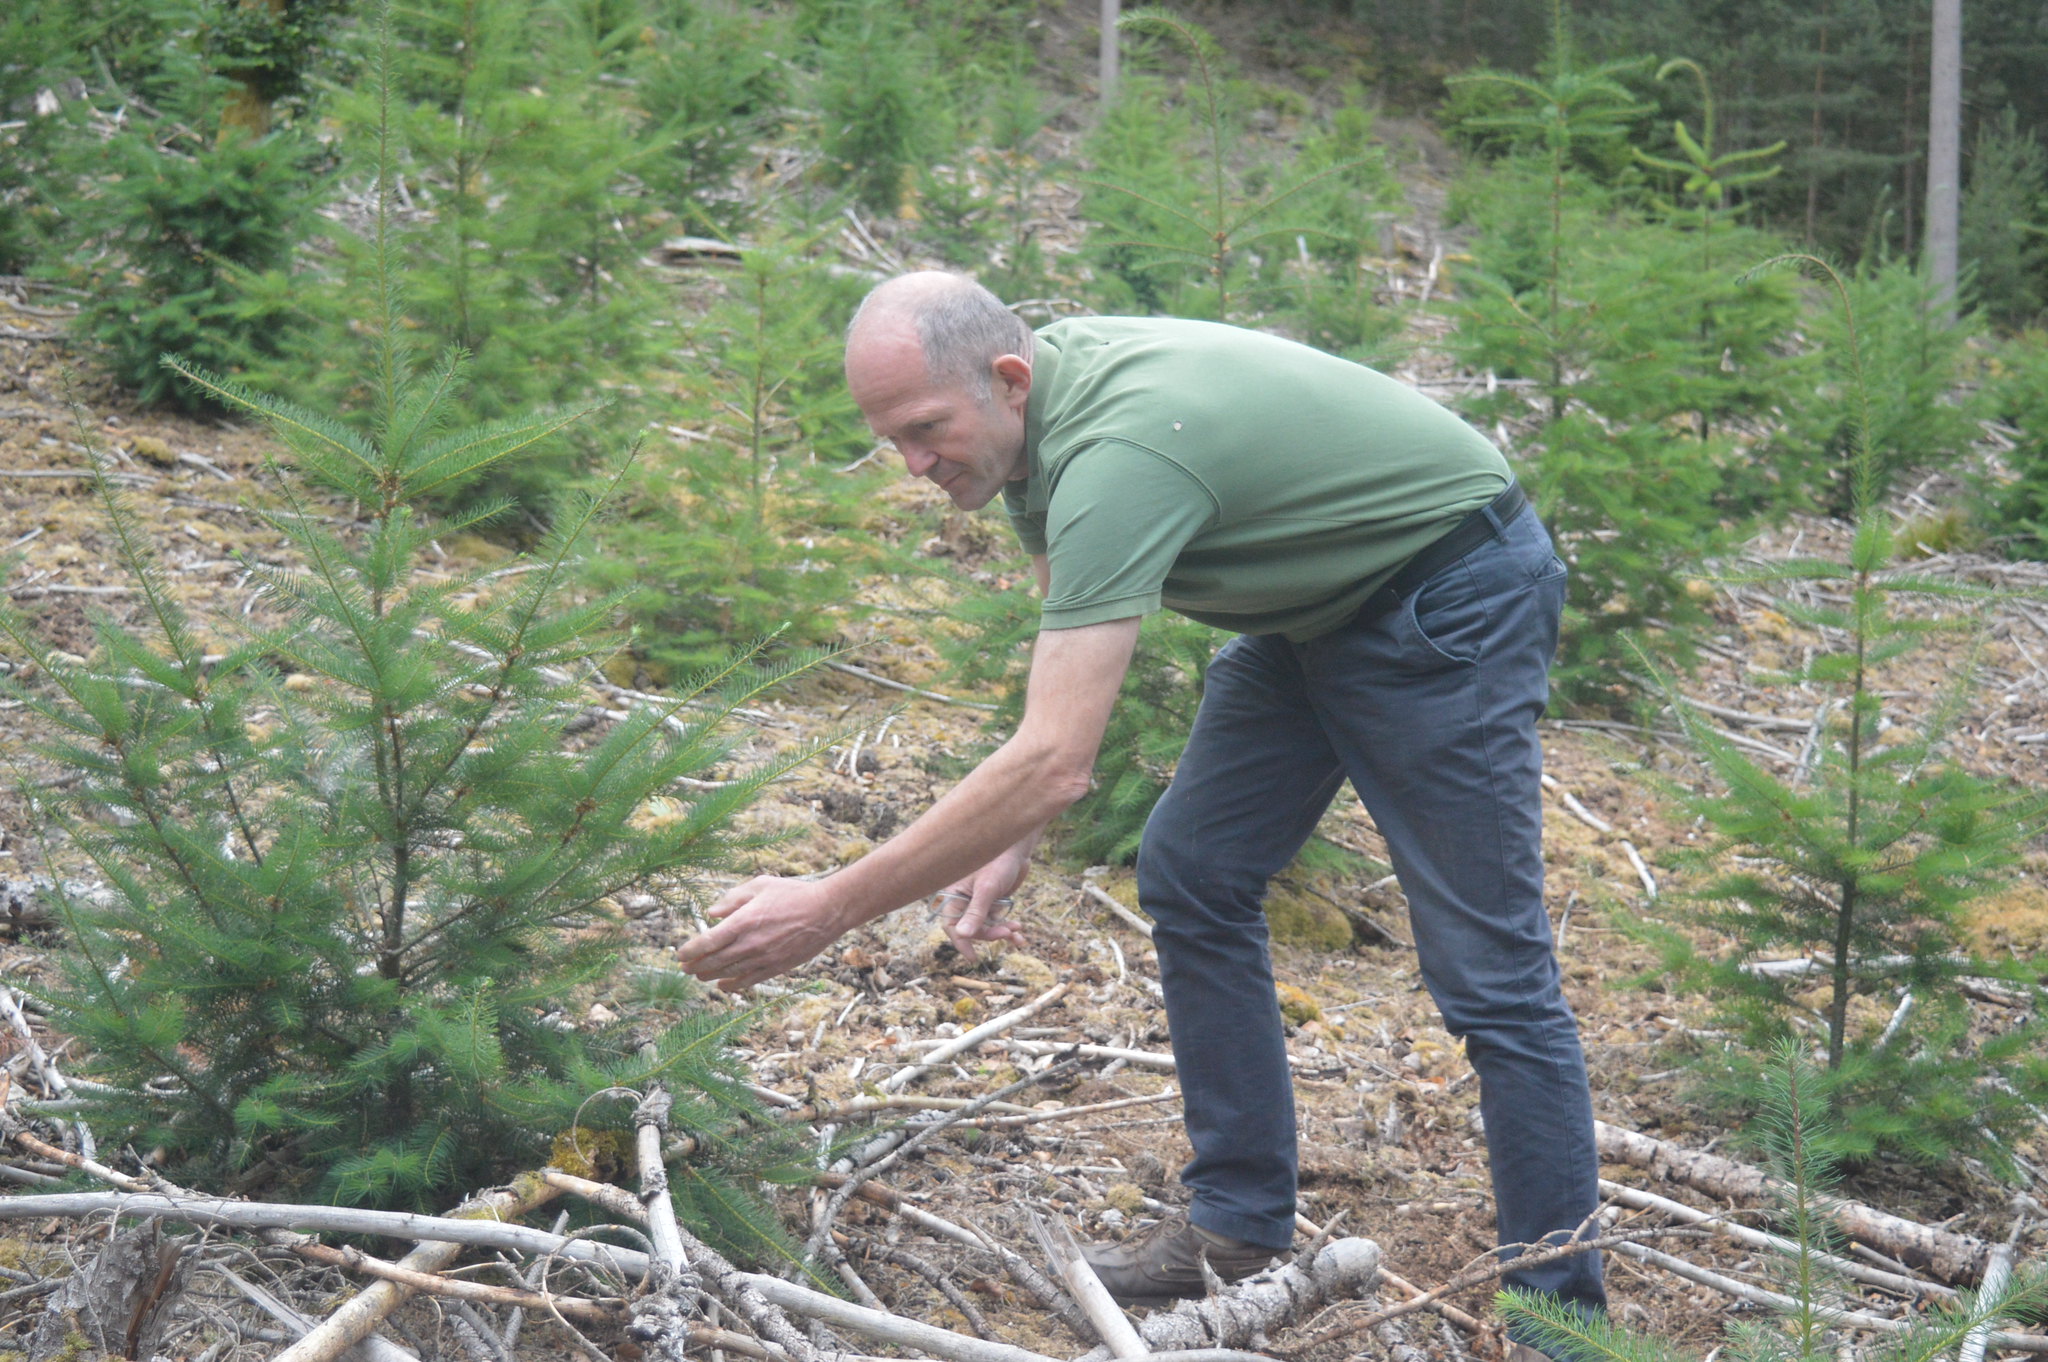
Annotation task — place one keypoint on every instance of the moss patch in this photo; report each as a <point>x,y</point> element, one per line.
<point>1306,920</point>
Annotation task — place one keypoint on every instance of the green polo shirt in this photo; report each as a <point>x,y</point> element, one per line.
<point>1243,480</point>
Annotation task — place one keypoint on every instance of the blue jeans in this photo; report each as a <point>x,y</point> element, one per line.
<point>1430,711</point>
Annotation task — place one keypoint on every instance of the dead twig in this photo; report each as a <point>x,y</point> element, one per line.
<point>864,674</point>
<point>1087,1289</point>
<point>960,1044</point>
<point>1489,1269</point>
<point>932,1275</point>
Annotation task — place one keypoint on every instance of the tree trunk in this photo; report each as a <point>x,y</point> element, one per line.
<point>116,1303</point>
<point>248,109</point>
<point>1108,53</point>
<point>1944,151</point>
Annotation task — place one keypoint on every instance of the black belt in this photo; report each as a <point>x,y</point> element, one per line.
<point>1467,535</point>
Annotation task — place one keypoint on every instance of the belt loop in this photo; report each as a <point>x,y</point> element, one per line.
<point>1494,515</point>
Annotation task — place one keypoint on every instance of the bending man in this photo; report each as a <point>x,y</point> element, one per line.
<point>1397,608</point>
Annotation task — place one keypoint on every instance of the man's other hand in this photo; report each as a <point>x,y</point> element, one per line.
<point>767,926</point>
<point>977,908</point>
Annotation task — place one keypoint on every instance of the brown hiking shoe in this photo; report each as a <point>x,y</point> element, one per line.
<point>1162,1264</point>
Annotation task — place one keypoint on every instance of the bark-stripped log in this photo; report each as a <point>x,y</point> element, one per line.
<point>1241,1316</point>
<point>1954,1258</point>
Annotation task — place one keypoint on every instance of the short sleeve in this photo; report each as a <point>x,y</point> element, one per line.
<point>1115,522</point>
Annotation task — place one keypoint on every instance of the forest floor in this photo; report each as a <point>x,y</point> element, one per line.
<point>1387,1105</point>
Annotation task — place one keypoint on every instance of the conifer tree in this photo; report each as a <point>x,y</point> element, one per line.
<point>1863,862</point>
<point>1642,351</point>
<point>757,525</point>
<point>362,867</point>
<point>1172,204</point>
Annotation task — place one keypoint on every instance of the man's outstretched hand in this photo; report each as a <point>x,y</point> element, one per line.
<point>766,926</point>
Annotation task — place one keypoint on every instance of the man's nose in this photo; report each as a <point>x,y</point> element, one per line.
<point>918,461</point>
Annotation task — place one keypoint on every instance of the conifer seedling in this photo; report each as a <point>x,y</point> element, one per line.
<point>1864,860</point>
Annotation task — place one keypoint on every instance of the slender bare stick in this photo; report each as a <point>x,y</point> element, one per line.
<point>1016,1264</point>
<point>371,1349</point>
<point>857,1319</point>
<point>934,1277</point>
<point>1129,918</point>
<point>1383,1277</point>
<point>1576,809</point>
<point>995,1026</point>
<point>837,1201</point>
<point>1087,1289</point>
<point>1997,1277</point>
<point>1488,1269</point>
<point>600,1310</point>
<point>864,674</point>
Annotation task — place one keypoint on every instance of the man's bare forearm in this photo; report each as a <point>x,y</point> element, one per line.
<point>1006,802</point>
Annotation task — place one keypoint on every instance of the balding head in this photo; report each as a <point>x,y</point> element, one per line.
<point>959,327</point>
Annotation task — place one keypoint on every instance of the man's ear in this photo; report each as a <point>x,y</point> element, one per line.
<point>1013,378</point>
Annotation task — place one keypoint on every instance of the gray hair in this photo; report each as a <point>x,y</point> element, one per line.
<point>961,327</point>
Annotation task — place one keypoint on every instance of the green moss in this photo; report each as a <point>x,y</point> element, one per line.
<point>1306,920</point>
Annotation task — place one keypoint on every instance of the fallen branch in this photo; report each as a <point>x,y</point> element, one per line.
<point>258,1215</point>
<point>1637,1199</point>
<point>593,1310</point>
<point>1384,1277</point>
<point>1489,1269</point>
<point>371,1349</point>
<point>661,1313</point>
<point>1066,1113</point>
<point>935,1278</point>
<point>356,1318</point>
<point>2001,991</point>
<point>1129,918</point>
<point>1997,1277</point>
<point>1016,1264</point>
<point>856,1319</point>
<point>837,1201</point>
<point>1772,1300</point>
<point>1954,1258</point>
<point>995,1026</point>
<point>1078,1275</point>
<point>1576,809</point>
<point>737,1289</point>
<point>1243,1315</point>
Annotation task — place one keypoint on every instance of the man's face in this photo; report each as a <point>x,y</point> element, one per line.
<point>968,447</point>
